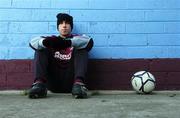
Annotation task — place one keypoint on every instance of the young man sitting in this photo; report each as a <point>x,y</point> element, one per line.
<point>61,61</point>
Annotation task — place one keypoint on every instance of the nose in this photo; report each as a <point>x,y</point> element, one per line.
<point>64,24</point>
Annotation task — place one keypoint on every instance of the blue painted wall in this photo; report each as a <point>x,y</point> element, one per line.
<point>120,28</point>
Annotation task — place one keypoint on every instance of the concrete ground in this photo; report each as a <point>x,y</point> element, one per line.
<point>101,104</point>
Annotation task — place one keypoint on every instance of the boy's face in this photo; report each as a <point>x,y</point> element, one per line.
<point>64,29</point>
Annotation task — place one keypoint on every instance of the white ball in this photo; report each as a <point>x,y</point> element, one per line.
<point>143,82</point>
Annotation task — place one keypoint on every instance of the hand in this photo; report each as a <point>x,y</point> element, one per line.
<point>54,42</point>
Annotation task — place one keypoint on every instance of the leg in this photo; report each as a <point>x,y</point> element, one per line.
<point>41,65</point>
<point>80,67</point>
<point>81,61</point>
<point>80,64</point>
<point>39,89</point>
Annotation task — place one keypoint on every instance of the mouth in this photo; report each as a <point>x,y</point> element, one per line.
<point>64,30</point>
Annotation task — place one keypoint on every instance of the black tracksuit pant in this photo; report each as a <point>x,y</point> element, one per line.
<point>60,74</point>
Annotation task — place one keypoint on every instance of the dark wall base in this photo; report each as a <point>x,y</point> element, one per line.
<point>102,74</point>
<point>116,74</point>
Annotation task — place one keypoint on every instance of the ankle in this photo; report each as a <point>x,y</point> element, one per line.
<point>40,80</point>
<point>78,81</point>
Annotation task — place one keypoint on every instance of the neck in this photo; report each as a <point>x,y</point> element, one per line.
<point>65,36</point>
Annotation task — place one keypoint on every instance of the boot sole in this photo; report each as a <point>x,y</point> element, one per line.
<point>81,96</point>
<point>35,96</point>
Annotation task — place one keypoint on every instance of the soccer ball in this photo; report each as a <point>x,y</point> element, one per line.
<point>143,82</point>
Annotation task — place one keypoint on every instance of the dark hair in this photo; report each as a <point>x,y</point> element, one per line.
<point>64,17</point>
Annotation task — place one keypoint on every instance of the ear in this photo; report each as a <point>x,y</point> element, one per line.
<point>58,27</point>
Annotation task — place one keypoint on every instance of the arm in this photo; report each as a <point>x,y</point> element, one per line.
<point>36,43</point>
<point>82,42</point>
<point>51,42</point>
<point>54,42</point>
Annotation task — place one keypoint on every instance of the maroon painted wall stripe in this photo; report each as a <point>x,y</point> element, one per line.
<point>103,74</point>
